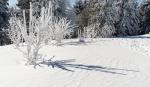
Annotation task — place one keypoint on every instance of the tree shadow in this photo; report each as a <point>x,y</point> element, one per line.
<point>67,64</point>
<point>76,43</point>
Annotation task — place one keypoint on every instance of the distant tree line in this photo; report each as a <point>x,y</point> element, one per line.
<point>113,18</point>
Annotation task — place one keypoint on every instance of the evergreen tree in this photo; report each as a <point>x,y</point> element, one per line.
<point>129,18</point>
<point>4,17</point>
<point>145,11</point>
<point>3,13</point>
<point>114,17</point>
<point>102,17</point>
<point>24,4</point>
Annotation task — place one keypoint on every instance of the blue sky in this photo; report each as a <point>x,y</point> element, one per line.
<point>13,2</point>
<point>72,2</point>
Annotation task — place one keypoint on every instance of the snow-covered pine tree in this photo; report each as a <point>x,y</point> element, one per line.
<point>114,17</point>
<point>102,17</point>
<point>129,18</point>
<point>4,17</point>
<point>145,11</point>
<point>24,4</point>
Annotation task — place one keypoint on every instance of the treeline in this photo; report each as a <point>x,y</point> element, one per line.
<point>113,18</point>
<point>93,18</point>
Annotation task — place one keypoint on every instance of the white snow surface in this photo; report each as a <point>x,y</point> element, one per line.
<point>131,53</point>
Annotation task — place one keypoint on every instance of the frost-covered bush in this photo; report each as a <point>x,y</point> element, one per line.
<point>34,34</point>
<point>90,31</point>
<point>107,30</point>
<point>14,32</point>
<point>37,31</point>
<point>61,28</point>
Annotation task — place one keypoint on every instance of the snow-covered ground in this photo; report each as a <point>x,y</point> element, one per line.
<point>115,62</point>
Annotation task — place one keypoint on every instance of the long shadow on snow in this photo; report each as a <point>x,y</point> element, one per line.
<point>65,64</point>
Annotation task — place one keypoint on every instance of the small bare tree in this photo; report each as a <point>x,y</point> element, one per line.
<point>39,31</point>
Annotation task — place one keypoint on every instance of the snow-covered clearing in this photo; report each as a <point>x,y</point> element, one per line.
<point>128,56</point>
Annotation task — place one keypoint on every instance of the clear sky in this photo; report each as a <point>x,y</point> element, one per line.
<point>72,2</point>
<point>12,2</point>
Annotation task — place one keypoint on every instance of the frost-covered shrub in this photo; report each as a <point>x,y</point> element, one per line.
<point>14,32</point>
<point>107,30</point>
<point>34,34</point>
<point>61,28</point>
<point>90,31</point>
<point>37,31</point>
